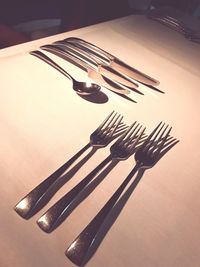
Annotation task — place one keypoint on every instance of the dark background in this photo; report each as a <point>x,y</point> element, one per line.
<point>72,14</point>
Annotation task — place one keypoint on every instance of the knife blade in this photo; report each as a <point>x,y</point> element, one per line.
<point>114,62</point>
<point>101,79</point>
<point>102,68</point>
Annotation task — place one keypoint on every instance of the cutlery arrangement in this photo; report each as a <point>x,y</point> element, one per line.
<point>107,73</point>
<point>176,24</point>
<point>102,80</point>
<point>132,140</point>
<point>145,157</point>
<point>102,67</point>
<point>109,129</point>
<point>81,88</point>
<point>112,61</point>
<point>120,150</point>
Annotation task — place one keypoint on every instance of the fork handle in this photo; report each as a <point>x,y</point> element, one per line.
<point>79,248</point>
<point>28,205</point>
<point>55,214</point>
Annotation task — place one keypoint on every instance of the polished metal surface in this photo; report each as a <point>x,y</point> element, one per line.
<point>101,66</point>
<point>81,88</point>
<point>146,157</point>
<point>109,129</point>
<point>39,122</point>
<point>89,66</point>
<point>120,150</point>
<point>114,62</point>
<point>174,19</point>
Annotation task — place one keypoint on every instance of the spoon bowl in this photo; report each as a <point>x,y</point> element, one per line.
<point>92,72</point>
<point>85,88</point>
<point>81,88</point>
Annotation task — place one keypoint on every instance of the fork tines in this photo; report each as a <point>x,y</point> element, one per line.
<point>111,125</point>
<point>113,120</point>
<point>131,137</point>
<point>158,139</point>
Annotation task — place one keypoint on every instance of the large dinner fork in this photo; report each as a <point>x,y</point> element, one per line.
<point>146,157</point>
<point>120,150</point>
<point>109,129</point>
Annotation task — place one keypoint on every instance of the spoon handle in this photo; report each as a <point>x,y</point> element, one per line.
<point>52,63</point>
<point>94,61</point>
<point>30,204</point>
<point>101,75</point>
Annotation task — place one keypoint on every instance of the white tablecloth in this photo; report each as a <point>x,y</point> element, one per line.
<point>44,122</point>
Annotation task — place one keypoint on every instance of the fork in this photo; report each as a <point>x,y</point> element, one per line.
<point>109,129</point>
<point>146,157</point>
<point>120,150</point>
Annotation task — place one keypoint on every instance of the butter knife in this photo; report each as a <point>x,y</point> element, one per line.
<point>115,62</point>
<point>103,68</point>
<point>92,73</point>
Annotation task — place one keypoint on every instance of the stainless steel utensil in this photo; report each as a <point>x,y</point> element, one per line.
<point>81,88</point>
<point>175,24</point>
<point>89,66</point>
<point>114,62</point>
<point>120,150</point>
<point>101,66</point>
<point>146,157</point>
<point>172,24</point>
<point>109,129</point>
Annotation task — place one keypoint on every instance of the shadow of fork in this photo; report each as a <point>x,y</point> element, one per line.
<point>87,191</point>
<point>61,181</point>
<point>66,177</point>
<point>116,210</point>
<point>91,187</point>
<point>107,131</point>
<point>120,150</point>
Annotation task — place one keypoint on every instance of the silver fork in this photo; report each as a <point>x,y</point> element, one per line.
<point>146,157</point>
<point>109,129</point>
<point>120,150</point>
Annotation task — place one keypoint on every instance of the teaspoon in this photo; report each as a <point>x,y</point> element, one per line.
<point>81,88</point>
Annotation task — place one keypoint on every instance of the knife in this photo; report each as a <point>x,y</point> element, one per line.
<point>102,68</point>
<point>114,62</point>
<point>92,73</point>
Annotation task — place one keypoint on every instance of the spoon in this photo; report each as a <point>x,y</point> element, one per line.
<point>81,88</point>
<point>88,65</point>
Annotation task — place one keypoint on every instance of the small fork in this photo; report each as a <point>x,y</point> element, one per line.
<point>146,157</point>
<point>120,150</point>
<point>109,129</point>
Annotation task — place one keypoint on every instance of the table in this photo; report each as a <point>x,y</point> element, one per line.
<point>44,122</point>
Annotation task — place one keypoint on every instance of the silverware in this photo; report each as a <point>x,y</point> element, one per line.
<point>81,88</point>
<point>109,129</point>
<point>175,24</point>
<point>102,67</point>
<point>114,62</point>
<point>180,27</point>
<point>90,67</point>
<point>172,24</point>
<point>120,150</point>
<point>179,23</point>
<point>146,157</point>
<point>189,32</point>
